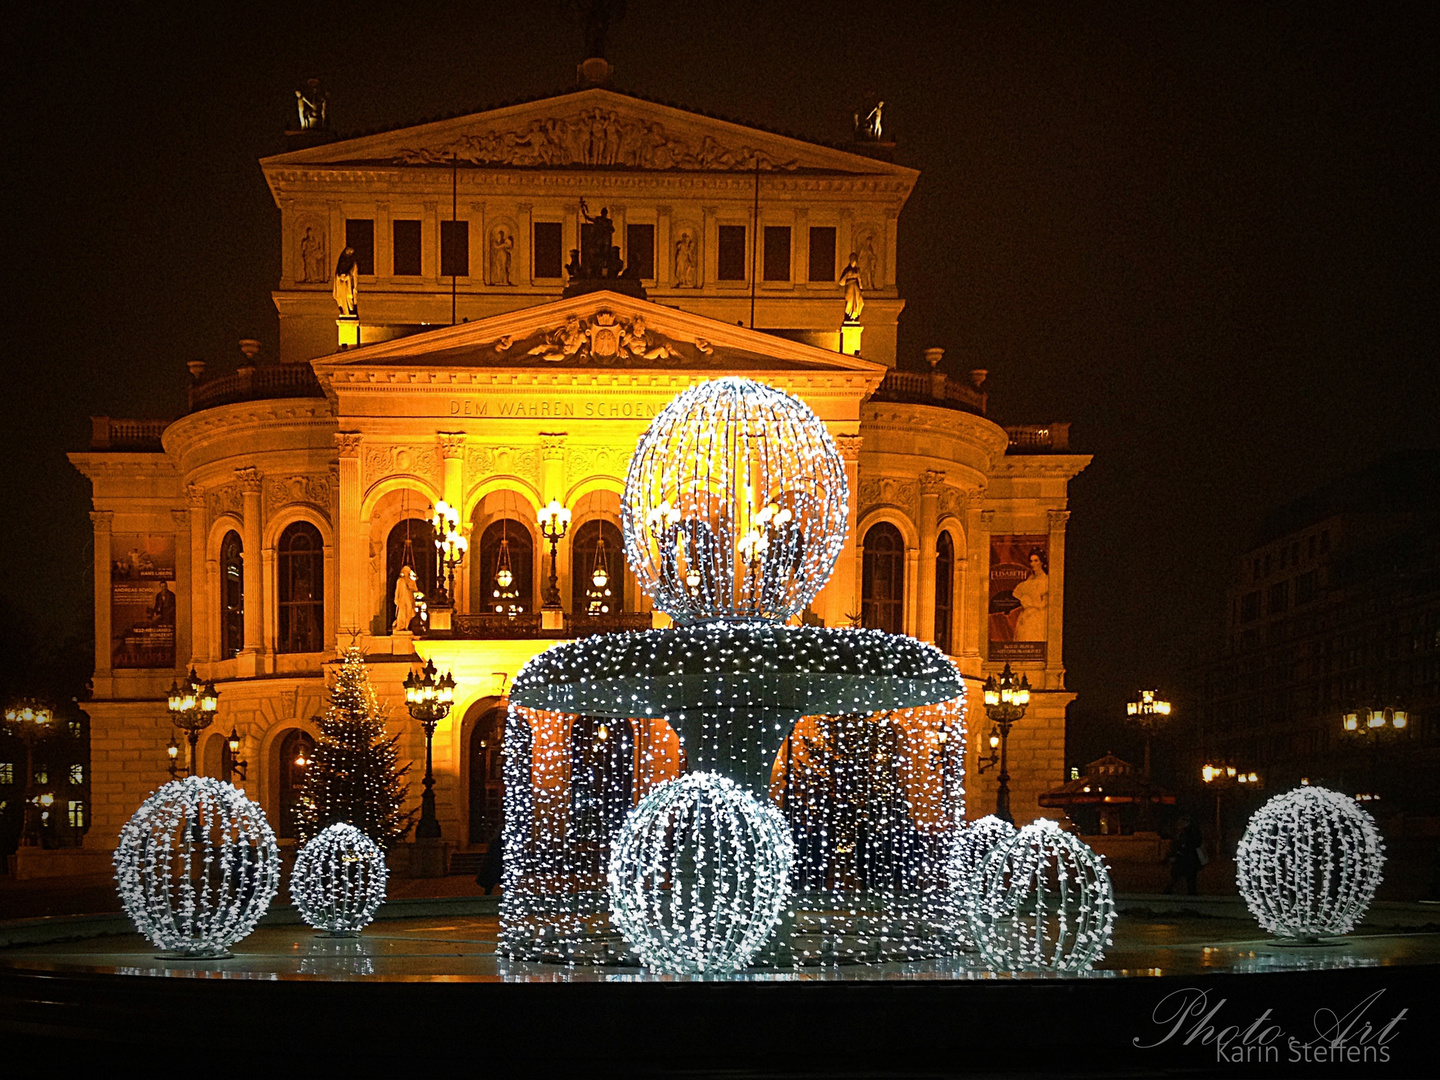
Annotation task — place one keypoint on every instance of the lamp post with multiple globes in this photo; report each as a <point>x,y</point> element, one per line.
<point>1147,712</point>
<point>1372,727</point>
<point>429,699</point>
<point>450,548</point>
<point>192,709</point>
<point>1219,778</point>
<point>32,723</point>
<point>1006,699</point>
<point>554,521</point>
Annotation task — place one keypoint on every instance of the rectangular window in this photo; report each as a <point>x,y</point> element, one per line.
<point>7,772</point>
<point>640,251</point>
<point>77,774</point>
<point>1250,607</point>
<point>360,238</point>
<point>547,251</point>
<point>777,252</point>
<point>730,260</point>
<point>1278,598</point>
<point>455,249</point>
<point>407,248</point>
<point>822,253</point>
<point>77,815</point>
<point>1306,586</point>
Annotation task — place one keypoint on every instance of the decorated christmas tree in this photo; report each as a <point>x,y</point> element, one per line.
<point>352,775</point>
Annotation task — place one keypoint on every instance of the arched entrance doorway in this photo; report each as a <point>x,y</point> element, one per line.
<point>487,777</point>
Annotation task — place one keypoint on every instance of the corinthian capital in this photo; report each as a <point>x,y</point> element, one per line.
<point>1058,518</point>
<point>452,443</point>
<point>849,446</point>
<point>347,444</point>
<point>932,482</point>
<point>249,478</point>
<point>552,445</point>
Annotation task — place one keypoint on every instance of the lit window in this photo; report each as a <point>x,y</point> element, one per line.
<point>42,776</point>
<point>77,774</point>
<point>7,772</point>
<point>77,814</point>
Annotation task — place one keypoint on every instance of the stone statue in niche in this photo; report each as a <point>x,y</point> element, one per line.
<point>685,260</point>
<point>312,254</point>
<point>869,261</point>
<point>310,104</point>
<point>406,585</point>
<point>345,287</point>
<point>502,248</point>
<point>850,282</point>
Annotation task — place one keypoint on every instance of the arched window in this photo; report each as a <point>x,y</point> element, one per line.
<point>505,548</point>
<point>944,590</point>
<point>602,776</point>
<point>882,588</point>
<point>300,559</point>
<point>411,543</point>
<point>232,595</point>
<point>292,774</point>
<point>487,777</point>
<point>597,570</point>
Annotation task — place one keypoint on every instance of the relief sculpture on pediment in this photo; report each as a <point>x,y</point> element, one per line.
<point>594,137</point>
<point>605,338</point>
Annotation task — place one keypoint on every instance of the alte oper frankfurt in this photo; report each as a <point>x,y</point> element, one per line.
<point>488,310</point>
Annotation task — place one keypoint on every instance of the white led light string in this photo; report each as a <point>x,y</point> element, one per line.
<point>339,880</point>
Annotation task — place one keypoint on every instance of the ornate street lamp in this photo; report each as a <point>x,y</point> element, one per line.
<point>429,700</point>
<point>1006,699</point>
<point>1373,726</point>
<point>554,521</point>
<point>1147,712</point>
<point>450,547</point>
<point>192,709</point>
<point>32,723</point>
<point>238,765</point>
<point>1220,778</point>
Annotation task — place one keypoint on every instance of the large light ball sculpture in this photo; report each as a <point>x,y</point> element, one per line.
<point>735,504</point>
<point>1040,900</point>
<point>339,880</point>
<point>197,866</point>
<point>968,850</point>
<point>698,875</point>
<point>1309,864</point>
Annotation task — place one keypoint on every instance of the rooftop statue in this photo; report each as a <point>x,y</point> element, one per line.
<point>850,282</point>
<point>310,103</point>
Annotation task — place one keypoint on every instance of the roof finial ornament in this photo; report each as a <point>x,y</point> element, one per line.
<point>596,17</point>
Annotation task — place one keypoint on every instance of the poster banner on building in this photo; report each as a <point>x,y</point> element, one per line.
<point>1019,597</point>
<point>142,600</point>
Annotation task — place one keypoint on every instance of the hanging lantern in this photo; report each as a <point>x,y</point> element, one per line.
<point>597,595</point>
<point>504,592</point>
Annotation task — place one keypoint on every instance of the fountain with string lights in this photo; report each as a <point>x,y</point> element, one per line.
<point>790,805</point>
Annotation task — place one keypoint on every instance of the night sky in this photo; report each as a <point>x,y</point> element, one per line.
<point>1204,233</point>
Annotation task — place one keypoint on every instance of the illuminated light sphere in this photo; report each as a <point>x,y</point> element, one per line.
<point>197,866</point>
<point>972,842</point>
<point>1040,900</point>
<point>698,875</point>
<point>735,504</point>
<point>339,880</point>
<point>1309,863</point>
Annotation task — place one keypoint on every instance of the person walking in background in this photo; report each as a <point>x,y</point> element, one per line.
<point>1185,857</point>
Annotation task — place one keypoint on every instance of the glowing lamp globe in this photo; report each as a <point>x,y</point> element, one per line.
<point>197,866</point>
<point>1309,863</point>
<point>735,504</point>
<point>698,875</point>
<point>1040,900</point>
<point>339,880</point>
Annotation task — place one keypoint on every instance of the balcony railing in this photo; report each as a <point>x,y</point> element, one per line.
<point>107,433</point>
<point>1039,438</point>
<point>256,384</point>
<point>489,625</point>
<point>931,388</point>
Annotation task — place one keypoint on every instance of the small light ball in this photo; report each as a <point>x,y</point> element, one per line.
<point>197,866</point>
<point>698,875</point>
<point>1041,899</point>
<point>973,841</point>
<point>1309,863</point>
<point>735,503</point>
<point>339,880</point>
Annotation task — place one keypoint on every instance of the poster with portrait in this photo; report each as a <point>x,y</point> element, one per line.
<point>1019,597</point>
<point>142,600</point>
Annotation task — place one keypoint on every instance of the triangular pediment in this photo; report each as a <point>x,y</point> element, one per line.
<point>597,331</point>
<point>589,129</point>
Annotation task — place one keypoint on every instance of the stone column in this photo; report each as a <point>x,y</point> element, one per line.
<point>250,660</point>
<point>350,542</point>
<point>199,579</point>
<point>844,587</point>
<point>103,521</point>
<point>1055,616</point>
<point>980,560</point>
<point>452,453</point>
<point>185,573</point>
<point>932,481</point>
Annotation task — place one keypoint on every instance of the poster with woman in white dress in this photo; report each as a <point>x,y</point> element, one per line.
<point>1019,597</point>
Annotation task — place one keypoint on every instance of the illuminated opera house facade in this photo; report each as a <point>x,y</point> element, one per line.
<point>481,367</point>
